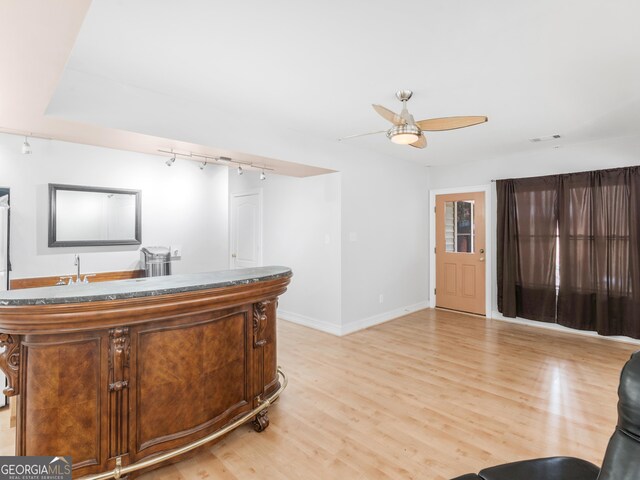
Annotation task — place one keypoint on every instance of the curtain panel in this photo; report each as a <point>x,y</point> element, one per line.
<point>600,251</point>
<point>527,229</point>
<point>593,217</point>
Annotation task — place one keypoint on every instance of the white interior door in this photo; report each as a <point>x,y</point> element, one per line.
<point>246,230</point>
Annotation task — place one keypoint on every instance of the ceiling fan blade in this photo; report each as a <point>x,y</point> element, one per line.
<point>449,123</point>
<point>388,114</point>
<point>360,135</point>
<point>420,143</point>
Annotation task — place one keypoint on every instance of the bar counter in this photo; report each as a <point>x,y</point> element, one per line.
<point>126,376</point>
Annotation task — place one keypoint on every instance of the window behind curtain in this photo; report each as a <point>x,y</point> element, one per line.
<point>597,223</point>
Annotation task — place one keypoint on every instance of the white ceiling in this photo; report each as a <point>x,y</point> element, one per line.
<point>222,70</point>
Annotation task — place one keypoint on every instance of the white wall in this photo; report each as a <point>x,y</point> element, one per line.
<point>385,240</point>
<point>545,160</point>
<point>301,230</point>
<point>349,238</point>
<point>181,205</point>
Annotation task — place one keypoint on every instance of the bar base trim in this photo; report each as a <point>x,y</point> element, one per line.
<point>254,415</point>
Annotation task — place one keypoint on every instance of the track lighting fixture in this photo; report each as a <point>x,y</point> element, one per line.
<point>26,148</point>
<point>204,159</point>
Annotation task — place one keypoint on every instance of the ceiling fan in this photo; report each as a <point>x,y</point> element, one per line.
<point>406,131</point>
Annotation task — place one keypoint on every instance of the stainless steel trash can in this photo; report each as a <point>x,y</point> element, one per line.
<point>157,261</point>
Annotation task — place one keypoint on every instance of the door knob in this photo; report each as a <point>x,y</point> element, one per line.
<point>482,250</point>
<point>233,255</point>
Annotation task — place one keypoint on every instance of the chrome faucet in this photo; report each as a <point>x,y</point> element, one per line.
<point>77,264</point>
<point>69,280</point>
<point>78,279</point>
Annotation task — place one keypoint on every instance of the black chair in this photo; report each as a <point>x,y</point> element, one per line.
<point>621,460</point>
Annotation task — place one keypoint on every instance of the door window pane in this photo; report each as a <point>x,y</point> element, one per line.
<point>450,226</point>
<point>459,228</point>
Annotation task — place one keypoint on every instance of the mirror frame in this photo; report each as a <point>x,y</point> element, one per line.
<point>54,242</point>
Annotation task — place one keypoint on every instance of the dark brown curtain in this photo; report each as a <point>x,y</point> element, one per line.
<point>527,235</point>
<point>600,251</point>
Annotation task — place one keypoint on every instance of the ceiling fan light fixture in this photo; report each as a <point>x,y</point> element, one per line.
<point>404,134</point>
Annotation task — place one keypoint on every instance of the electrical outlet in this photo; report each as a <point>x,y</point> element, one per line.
<point>381,298</point>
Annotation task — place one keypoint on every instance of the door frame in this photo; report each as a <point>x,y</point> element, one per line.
<point>7,191</point>
<point>258,192</point>
<point>488,228</point>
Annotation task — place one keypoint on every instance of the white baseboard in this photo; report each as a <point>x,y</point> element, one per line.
<point>341,330</point>
<point>314,323</point>
<point>382,318</point>
<point>495,315</point>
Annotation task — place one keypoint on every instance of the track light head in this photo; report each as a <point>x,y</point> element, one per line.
<point>262,175</point>
<point>26,148</point>
<point>240,171</point>
<point>203,164</point>
<point>171,160</point>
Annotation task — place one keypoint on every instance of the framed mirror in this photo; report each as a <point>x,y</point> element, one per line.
<point>82,216</point>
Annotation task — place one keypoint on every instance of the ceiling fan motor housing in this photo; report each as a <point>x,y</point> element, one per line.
<point>404,95</point>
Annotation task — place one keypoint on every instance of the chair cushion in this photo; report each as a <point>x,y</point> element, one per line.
<point>622,460</point>
<point>554,468</point>
<point>629,397</point>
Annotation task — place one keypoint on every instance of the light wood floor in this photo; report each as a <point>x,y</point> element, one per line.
<point>431,395</point>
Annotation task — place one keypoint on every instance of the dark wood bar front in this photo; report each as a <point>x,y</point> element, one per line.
<point>115,378</point>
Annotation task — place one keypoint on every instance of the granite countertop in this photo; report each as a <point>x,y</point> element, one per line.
<point>140,287</point>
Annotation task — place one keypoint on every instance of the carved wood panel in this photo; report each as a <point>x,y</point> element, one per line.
<point>264,333</point>
<point>119,354</point>
<point>259,327</point>
<point>259,323</point>
<point>10,363</point>
<point>189,377</point>
<point>270,350</point>
<point>264,366</point>
<point>60,404</point>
